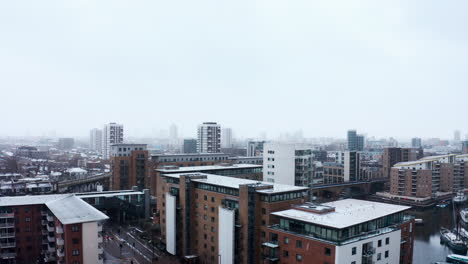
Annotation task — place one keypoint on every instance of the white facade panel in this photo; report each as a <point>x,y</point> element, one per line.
<point>279,163</point>
<point>344,254</point>
<point>170,223</point>
<point>226,235</point>
<point>90,242</point>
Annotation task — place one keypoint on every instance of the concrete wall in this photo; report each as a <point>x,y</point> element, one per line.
<point>90,242</point>
<point>226,235</point>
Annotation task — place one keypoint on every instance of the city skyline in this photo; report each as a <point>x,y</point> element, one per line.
<point>389,73</point>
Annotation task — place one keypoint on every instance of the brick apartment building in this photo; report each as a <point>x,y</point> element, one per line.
<point>50,228</point>
<point>345,231</point>
<point>244,171</point>
<point>425,177</point>
<point>130,166</point>
<point>392,156</point>
<point>219,219</point>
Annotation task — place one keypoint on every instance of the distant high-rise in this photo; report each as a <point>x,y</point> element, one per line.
<point>465,147</point>
<point>173,132</point>
<point>355,141</point>
<point>226,138</point>
<point>111,134</point>
<point>209,138</point>
<point>286,163</point>
<point>254,148</point>
<point>65,143</point>
<point>456,136</point>
<point>190,146</point>
<point>95,139</point>
<point>416,142</point>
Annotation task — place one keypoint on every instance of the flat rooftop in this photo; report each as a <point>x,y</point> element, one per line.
<point>348,212</point>
<point>231,182</point>
<point>108,194</point>
<point>188,154</point>
<point>72,210</point>
<point>68,208</point>
<point>208,168</point>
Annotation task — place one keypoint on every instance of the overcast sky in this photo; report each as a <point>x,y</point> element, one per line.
<point>398,68</point>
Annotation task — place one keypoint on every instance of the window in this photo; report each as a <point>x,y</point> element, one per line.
<point>212,199</point>
<point>353,251</point>
<point>263,222</point>
<point>286,240</point>
<point>379,256</point>
<point>327,251</point>
<point>298,243</point>
<point>76,241</point>
<point>285,253</point>
<point>205,197</point>
<point>263,234</point>
<point>75,252</point>
<point>75,228</point>
<point>386,254</point>
<point>212,219</point>
<point>263,211</point>
<point>387,241</point>
<point>27,219</point>
<point>353,262</point>
<point>379,243</point>
<point>299,257</point>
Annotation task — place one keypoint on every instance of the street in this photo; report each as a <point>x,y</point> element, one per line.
<point>125,247</point>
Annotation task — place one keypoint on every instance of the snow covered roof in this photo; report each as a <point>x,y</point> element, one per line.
<point>348,212</point>
<point>206,168</point>
<point>68,208</point>
<point>72,210</point>
<point>234,183</point>
<point>76,170</point>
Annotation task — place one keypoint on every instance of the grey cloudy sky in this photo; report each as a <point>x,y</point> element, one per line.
<point>393,68</point>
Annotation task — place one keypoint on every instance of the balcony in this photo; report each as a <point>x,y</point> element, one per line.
<point>99,239</point>
<point>44,222</point>
<point>59,230</point>
<point>7,215</point>
<point>45,233</point>
<point>7,244</point>
<point>60,242</point>
<point>369,252</point>
<point>50,218</point>
<point>51,248</point>
<point>7,234</point>
<point>61,253</point>
<point>99,228</point>
<point>50,228</point>
<point>271,244</point>
<point>44,213</point>
<point>50,239</point>
<point>7,255</point>
<point>7,225</point>
<point>45,241</point>
<point>49,258</point>
<point>100,250</point>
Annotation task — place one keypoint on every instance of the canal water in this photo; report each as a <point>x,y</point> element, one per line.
<point>427,246</point>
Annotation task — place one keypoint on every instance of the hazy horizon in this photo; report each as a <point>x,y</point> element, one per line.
<point>395,69</point>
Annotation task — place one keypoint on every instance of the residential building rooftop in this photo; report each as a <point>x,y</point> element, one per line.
<point>231,182</point>
<point>348,212</point>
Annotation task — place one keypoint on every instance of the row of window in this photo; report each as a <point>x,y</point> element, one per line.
<point>218,189</point>
<point>281,196</point>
